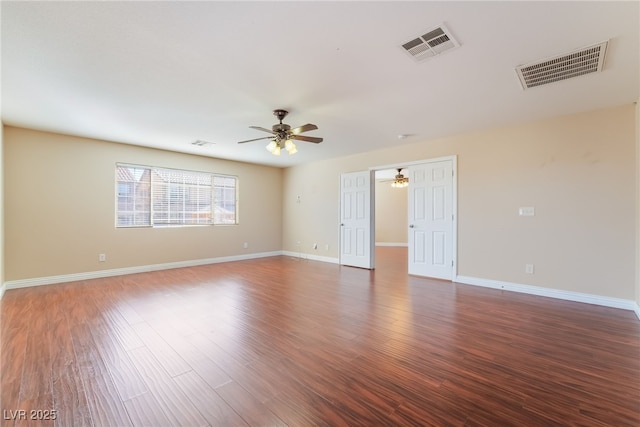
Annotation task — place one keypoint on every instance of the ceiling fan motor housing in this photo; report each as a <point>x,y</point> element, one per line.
<point>281,130</point>
<point>281,127</point>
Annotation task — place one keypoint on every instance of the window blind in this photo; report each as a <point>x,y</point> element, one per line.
<point>181,197</point>
<point>225,191</point>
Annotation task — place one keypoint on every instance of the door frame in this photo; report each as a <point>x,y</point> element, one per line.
<point>454,163</point>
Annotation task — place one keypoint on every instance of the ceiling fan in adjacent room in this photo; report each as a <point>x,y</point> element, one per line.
<point>399,181</point>
<point>282,136</point>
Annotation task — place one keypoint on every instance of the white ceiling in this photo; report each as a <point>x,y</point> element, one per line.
<point>164,74</point>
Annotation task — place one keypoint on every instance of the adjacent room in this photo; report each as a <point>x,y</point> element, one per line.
<point>320,213</point>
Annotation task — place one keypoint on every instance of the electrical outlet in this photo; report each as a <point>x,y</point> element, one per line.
<point>527,211</point>
<point>326,247</point>
<point>245,245</point>
<point>102,257</point>
<point>528,268</point>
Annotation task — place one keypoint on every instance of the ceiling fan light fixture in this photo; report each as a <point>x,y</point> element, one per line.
<point>271,147</point>
<point>290,147</point>
<point>400,181</point>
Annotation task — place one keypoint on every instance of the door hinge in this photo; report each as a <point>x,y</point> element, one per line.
<point>451,263</point>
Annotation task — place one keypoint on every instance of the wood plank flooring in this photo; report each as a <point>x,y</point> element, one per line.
<point>281,341</point>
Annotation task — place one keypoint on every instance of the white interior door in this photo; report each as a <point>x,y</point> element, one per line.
<point>356,231</point>
<point>431,219</point>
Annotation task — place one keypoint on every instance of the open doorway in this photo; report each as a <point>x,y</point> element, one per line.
<point>431,214</point>
<point>391,219</point>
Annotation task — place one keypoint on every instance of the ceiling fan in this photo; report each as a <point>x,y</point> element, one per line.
<point>282,136</point>
<point>399,181</point>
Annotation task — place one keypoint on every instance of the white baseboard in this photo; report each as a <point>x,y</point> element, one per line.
<point>488,283</point>
<point>552,293</point>
<point>50,280</point>
<point>405,245</point>
<point>311,257</point>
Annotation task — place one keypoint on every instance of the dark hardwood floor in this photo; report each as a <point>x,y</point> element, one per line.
<point>279,341</point>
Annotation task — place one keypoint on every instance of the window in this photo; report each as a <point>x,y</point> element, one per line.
<point>224,210</point>
<point>161,197</point>
<point>133,195</point>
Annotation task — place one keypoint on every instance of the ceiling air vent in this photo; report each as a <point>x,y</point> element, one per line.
<point>431,43</point>
<point>573,64</point>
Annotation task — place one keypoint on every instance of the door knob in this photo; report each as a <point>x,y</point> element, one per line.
<point>411,226</point>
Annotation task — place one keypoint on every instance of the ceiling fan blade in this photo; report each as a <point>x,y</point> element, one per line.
<point>262,129</point>
<point>308,139</point>
<point>303,128</point>
<point>257,139</point>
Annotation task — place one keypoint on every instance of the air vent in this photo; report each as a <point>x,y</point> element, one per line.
<point>561,67</point>
<point>431,43</point>
<point>201,143</point>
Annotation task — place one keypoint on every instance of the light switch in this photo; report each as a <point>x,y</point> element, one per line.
<point>527,211</point>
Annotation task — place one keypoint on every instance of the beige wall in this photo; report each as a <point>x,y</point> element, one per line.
<point>577,171</point>
<point>391,214</point>
<point>60,208</point>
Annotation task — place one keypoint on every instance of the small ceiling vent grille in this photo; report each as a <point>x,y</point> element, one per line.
<point>431,43</point>
<point>561,67</point>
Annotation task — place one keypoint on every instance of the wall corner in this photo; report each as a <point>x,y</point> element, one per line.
<point>2,233</point>
<point>637,278</point>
